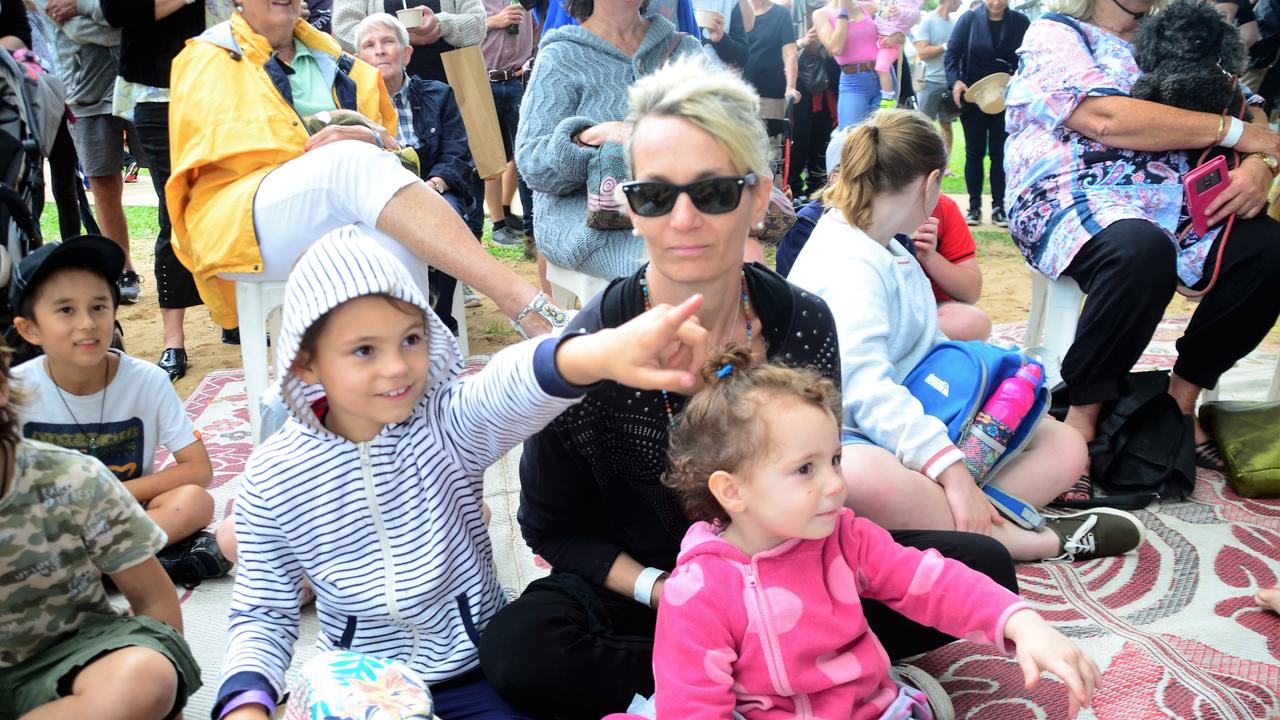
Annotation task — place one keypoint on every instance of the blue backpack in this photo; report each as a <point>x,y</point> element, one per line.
<point>954,380</point>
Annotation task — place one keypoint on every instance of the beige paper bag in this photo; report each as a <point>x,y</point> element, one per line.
<point>469,79</point>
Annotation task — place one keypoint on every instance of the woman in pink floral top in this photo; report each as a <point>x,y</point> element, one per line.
<point>1096,195</point>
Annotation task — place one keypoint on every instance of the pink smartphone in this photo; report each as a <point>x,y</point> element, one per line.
<point>1202,185</point>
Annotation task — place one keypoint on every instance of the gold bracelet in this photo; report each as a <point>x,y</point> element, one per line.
<point>1222,130</point>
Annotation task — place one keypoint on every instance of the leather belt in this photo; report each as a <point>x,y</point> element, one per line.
<point>855,68</point>
<point>504,75</point>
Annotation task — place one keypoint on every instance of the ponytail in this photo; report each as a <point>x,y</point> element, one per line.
<point>886,153</point>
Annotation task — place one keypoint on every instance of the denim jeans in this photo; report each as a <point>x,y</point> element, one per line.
<point>859,97</point>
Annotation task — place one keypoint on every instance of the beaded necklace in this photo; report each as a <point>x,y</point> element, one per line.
<point>746,313</point>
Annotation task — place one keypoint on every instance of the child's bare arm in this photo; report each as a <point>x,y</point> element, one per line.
<point>191,467</point>
<point>962,280</point>
<point>150,592</point>
<point>1041,648</point>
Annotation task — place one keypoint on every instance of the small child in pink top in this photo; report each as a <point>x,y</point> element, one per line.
<point>892,17</point>
<point>762,614</point>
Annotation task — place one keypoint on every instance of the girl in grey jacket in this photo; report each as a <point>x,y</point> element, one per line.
<point>372,489</point>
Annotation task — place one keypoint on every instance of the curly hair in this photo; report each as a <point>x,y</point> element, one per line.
<point>10,430</point>
<point>723,428</point>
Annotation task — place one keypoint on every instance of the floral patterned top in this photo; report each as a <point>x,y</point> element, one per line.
<point>1066,188</point>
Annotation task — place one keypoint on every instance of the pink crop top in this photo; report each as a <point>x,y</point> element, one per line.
<point>860,38</point>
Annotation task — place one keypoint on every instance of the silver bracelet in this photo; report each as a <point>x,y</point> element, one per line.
<point>377,138</point>
<point>544,307</point>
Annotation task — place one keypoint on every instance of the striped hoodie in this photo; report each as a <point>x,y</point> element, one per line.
<point>389,532</point>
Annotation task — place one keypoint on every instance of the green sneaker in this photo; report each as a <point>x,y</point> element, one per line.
<point>1097,533</point>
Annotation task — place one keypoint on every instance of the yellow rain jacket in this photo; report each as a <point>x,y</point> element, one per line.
<point>228,127</point>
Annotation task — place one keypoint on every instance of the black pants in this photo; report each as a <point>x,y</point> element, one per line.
<point>1129,274</point>
<point>564,649</point>
<point>175,287</point>
<point>62,183</point>
<point>983,135</point>
<point>809,136</point>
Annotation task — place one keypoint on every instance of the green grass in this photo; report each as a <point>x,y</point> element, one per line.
<point>955,185</point>
<point>142,219</point>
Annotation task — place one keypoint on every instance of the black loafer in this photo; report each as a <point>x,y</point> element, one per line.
<point>174,362</point>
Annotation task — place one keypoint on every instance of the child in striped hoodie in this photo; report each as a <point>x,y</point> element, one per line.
<point>763,613</point>
<point>372,489</point>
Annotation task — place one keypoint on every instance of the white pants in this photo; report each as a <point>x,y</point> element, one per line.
<point>343,183</point>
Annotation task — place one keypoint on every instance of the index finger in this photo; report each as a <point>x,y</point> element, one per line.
<point>676,316</point>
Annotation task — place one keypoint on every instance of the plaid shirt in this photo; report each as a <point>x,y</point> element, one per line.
<point>405,135</point>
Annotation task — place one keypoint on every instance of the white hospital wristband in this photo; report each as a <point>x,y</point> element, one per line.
<point>643,590</point>
<point>1234,132</point>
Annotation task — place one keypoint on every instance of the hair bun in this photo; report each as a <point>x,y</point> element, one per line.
<point>726,361</point>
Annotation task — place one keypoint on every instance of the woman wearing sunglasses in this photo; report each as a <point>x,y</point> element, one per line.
<point>902,469</point>
<point>580,642</point>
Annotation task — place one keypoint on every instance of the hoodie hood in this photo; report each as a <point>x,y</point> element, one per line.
<point>656,41</point>
<point>704,538</point>
<point>344,265</point>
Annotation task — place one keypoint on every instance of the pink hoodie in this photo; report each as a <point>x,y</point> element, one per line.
<point>782,634</point>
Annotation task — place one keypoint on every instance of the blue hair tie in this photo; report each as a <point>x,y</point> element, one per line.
<point>724,371</point>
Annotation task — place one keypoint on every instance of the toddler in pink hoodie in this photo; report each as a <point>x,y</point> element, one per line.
<point>892,17</point>
<point>763,614</point>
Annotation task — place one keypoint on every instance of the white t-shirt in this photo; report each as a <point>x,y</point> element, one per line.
<point>140,410</point>
<point>933,30</point>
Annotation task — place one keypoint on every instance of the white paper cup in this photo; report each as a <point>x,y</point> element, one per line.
<point>706,18</point>
<point>410,17</point>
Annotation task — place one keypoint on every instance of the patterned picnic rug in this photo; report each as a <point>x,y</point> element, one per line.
<point>1173,626</point>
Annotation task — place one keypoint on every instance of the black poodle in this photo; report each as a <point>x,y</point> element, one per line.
<point>1190,56</point>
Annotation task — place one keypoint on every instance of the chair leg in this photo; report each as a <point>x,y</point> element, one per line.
<point>460,314</point>
<point>1273,393</point>
<point>1035,320</point>
<point>253,352</point>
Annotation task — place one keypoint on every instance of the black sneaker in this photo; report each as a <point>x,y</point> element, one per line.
<point>1097,533</point>
<point>130,287</point>
<point>973,217</point>
<point>194,560</point>
<point>507,236</point>
<point>514,220</point>
<point>231,337</point>
<point>174,362</point>
<point>998,219</point>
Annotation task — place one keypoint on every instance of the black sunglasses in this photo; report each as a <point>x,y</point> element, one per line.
<point>714,195</point>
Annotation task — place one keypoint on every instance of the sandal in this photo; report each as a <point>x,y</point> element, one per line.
<point>1209,457</point>
<point>1082,490</point>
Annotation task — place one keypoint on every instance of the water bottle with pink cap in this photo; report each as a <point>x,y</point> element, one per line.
<point>994,425</point>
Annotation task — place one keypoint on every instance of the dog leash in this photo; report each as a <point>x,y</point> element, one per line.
<point>1231,219</point>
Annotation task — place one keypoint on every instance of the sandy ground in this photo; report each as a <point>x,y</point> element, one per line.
<point>1006,297</point>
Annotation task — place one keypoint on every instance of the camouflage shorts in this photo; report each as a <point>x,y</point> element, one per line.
<point>48,676</point>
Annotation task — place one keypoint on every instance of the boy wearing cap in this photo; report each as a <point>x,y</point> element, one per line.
<point>88,397</point>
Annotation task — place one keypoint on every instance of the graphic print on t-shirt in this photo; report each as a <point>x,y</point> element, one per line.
<point>119,444</point>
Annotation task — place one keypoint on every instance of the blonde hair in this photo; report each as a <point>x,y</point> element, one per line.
<point>721,428</point>
<point>886,153</point>
<point>1083,9</point>
<point>714,99</point>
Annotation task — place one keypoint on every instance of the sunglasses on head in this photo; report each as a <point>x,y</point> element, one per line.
<point>714,195</point>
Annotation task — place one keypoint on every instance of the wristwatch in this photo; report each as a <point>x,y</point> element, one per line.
<point>377,138</point>
<point>1272,164</point>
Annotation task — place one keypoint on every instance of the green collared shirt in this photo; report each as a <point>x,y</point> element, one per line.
<point>311,94</point>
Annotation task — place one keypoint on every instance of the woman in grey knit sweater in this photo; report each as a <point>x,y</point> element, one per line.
<point>575,102</point>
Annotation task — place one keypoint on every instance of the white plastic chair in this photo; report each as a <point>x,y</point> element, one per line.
<point>1051,325</point>
<point>258,305</point>
<point>459,313</point>
<point>568,286</point>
